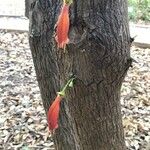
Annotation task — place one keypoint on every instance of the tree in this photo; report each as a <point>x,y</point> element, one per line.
<point>98,55</point>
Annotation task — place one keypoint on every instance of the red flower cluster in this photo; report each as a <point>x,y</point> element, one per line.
<point>62,29</point>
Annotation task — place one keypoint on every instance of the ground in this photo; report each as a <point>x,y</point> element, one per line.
<point>23,122</point>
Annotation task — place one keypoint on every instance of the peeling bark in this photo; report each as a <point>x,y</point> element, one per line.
<point>98,55</point>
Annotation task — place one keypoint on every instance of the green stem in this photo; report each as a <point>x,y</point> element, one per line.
<point>68,2</point>
<point>62,92</point>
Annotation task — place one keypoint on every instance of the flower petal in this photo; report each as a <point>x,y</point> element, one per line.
<point>62,27</point>
<point>53,114</point>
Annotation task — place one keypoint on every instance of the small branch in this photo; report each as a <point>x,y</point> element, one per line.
<point>132,39</point>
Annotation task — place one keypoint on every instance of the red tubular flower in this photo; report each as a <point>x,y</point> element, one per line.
<point>62,27</point>
<point>53,114</point>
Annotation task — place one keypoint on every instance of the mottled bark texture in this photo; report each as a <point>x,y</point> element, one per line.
<point>98,55</point>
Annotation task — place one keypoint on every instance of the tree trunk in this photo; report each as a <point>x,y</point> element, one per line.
<point>98,55</point>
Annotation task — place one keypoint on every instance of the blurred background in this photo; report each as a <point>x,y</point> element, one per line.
<point>23,122</point>
<point>139,10</point>
<point>12,15</point>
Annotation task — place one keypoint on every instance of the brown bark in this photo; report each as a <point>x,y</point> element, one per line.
<point>98,55</point>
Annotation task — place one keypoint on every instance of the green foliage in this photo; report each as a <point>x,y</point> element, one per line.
<point>139,10</point>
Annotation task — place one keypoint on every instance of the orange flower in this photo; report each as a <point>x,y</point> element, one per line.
<point>53,114</point>
<point>62,27</point>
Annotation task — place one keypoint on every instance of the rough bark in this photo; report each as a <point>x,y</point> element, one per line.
<point>98,55</point>
<point>28,7</point>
